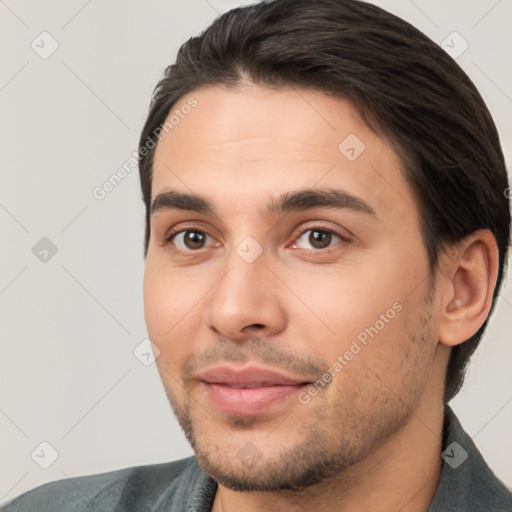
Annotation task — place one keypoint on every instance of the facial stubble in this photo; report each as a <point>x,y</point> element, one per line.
<point>330,436</point>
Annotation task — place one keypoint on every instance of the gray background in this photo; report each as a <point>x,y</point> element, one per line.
<point>70,324</point>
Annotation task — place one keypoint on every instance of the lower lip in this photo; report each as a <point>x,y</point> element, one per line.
<point>248,401</point>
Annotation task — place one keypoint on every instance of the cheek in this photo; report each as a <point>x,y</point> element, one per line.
<point>364,317</point>
<point>157,301</point>
<point>345,302</point>
<point>168,310</point>
<point>168,295</point>
<point>389,364</point>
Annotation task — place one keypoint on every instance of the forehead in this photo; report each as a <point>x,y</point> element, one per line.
<point>258,141</point>
<point>252,116</point>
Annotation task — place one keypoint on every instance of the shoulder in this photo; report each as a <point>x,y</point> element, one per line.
<point>134,488</point>
<point>467,483</point>
<point>486,491</point>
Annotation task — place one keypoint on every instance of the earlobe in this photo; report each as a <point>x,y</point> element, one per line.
<point>473,275</point>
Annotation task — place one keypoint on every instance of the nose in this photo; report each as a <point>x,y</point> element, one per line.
<point>247,300</point>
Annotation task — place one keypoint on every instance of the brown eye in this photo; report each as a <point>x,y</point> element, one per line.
<point>189,239</point>
<point>318,238</point>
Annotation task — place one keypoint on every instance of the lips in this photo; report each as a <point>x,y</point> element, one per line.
<point>249,377</point>
<point>248,390</point>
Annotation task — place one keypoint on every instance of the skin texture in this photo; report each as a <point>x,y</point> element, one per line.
<point>371,438</point>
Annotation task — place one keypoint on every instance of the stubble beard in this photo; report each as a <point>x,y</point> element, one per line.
<point>331,439</point>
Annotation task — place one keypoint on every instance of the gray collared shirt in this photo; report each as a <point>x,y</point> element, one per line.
<point>467,484</point>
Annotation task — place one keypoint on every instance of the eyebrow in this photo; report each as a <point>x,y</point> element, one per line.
<point>297,200</point>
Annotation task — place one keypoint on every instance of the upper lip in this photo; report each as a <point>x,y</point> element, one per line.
<point>252,376</point>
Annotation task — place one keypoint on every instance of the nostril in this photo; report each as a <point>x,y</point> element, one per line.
<point>253,327</point>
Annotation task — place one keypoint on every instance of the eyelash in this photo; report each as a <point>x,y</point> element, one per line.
<point>296,235</point>
<point>319,227</point>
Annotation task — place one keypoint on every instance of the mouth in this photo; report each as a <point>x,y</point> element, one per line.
<point>248,390</point>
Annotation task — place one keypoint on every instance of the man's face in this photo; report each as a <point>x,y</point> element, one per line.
<point>333,299</point>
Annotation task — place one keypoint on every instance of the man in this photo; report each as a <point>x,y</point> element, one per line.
<point>326,235</point>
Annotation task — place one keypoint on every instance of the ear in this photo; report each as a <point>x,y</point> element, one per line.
<point>468,277</point>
